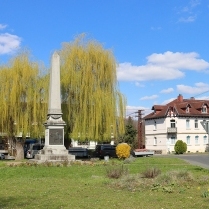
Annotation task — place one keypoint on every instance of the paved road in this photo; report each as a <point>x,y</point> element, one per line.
<point>201,160</point>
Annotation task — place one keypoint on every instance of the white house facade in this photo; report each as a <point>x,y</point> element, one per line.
<point>180,119</point>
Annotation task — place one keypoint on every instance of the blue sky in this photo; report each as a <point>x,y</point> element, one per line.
<point>161,46</point>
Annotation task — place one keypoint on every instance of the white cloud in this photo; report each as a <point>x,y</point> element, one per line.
<point>139,84</point>
<point>179,60</point>
<point>167,101</point>
<point>189,13</point>
<point>9,43</point>
<point>197,89</point>
<point>167,91</point>
<point>128,72</point>
<point>166,66</point>
<point>188,19</point>
<point>156,28</point>
<point>185,9</point>
<point>149,97</point>
<point>203,98</point>
<point>194,3</point>
<point>2,26</point>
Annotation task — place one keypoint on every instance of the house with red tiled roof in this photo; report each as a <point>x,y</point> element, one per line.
<point>180,119</point>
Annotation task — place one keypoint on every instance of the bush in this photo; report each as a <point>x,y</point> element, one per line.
<point>185,175</point>
<point>116,171</point>
<point>178,177</point>
<point>123,150</point>
<point>180,147</point>
<point>151,172</point>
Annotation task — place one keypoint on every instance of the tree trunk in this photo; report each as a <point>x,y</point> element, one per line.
<point>19,151</point>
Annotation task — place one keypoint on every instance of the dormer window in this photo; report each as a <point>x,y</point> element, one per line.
<point>187,109</point>
<point>204,109</point>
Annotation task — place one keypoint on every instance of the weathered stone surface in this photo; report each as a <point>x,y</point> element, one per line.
<point>54,149</point>
<point>54,106</point>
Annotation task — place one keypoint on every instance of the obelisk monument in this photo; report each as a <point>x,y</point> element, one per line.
<point>54,149</point>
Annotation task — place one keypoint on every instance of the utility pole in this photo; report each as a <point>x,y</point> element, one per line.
<point>140,130</point>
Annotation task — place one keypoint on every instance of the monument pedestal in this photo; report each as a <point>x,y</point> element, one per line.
<point>54,149</point>
<point>52,154</point>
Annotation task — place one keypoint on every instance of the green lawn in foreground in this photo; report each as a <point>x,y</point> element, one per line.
<point>87,187</point>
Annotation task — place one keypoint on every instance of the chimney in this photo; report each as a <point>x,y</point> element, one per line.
<point>180,98</point>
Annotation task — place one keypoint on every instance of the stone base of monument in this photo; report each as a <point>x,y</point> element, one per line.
<point>54,154</point>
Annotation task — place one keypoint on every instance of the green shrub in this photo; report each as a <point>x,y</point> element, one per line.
<point>180,147</point>
<point>123,150</point>
<point>205,194</point>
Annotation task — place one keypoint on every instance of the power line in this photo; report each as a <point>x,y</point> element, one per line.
<point>139,108</point>
<point>201,93</point>
<point>131,113</point>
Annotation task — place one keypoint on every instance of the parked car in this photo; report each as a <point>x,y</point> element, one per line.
<point>33,150</point>
<point>28,143</point>
<point>142,153</point>
<point>79,151</point>
<point>2,156</point>
<point>103,150</point>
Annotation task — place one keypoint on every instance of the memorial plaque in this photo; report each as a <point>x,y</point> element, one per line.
<point>56,137</point>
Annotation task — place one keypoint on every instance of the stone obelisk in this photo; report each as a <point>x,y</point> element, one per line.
<point>54,149</point>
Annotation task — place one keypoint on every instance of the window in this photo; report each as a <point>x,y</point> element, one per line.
<point>187,124</point>
<point>196,123</point>
<point>188,140</point>
<point>173,140</point>
<point>155,125</point>
<point>196,140</point>
<point>187,110</point>
<point>173,123</point>
<point>155,140</point>
<point>204,109</point>
<point>205,139</point>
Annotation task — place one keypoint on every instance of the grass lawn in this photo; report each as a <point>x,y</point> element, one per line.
<point>87,186</point>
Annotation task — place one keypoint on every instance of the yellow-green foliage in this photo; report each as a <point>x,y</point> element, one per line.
<point>23,104</point>
<point>123,150</point>
<point>94,106</point>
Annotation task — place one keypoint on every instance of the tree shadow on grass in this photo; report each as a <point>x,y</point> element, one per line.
<point>11,202</point>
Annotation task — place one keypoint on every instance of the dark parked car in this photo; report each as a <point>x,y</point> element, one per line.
<point>33,150</point>
<point>103,150</point>
<point>79,151</point>
<point>2,156</point>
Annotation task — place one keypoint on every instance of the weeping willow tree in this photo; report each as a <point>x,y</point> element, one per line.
<point>23,105</point>
<point>93,107</point>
